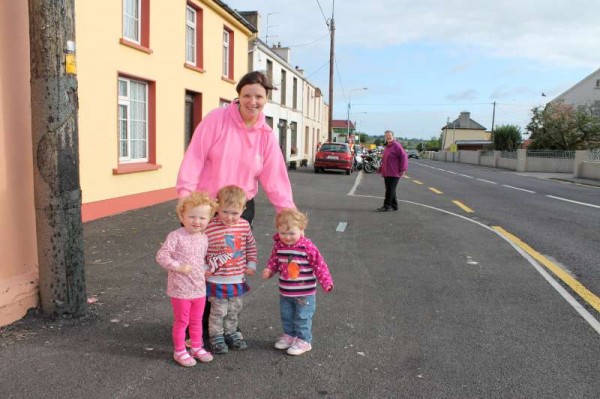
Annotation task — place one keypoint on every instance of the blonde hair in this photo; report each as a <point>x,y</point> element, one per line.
<point>194,200</point>
<point>233,196</point>
<point>290,217</point>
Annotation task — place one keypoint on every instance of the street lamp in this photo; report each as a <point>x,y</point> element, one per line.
<point>349,101</point>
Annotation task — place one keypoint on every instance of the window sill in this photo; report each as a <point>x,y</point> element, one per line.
<point>225,78</point>
<point>135,168</point>
<point>194,68</point>
<point>135,46</point>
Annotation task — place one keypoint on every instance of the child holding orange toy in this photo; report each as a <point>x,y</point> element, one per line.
<point>299,264</point>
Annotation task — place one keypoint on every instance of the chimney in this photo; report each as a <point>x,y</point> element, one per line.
<point>464,120</point>
<point>283,52</point>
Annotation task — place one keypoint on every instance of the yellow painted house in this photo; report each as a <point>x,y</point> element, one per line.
<point>147,71</point>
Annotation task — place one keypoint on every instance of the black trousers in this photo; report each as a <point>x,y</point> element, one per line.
<point>390,200</point>
<point>248,215</point>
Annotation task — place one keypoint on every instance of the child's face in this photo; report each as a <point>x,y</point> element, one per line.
<point>195,219</point>
<point>230,214</point>
<point>290,236</point>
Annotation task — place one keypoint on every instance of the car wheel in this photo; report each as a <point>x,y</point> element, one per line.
<point>316,170</point>
<point>349,171</point>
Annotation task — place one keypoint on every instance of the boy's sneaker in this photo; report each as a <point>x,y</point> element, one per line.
<point>299,347</point>
<point>235,341</point>
<point>218,345</point>
<point>202,354</point>
<point>285,341</point>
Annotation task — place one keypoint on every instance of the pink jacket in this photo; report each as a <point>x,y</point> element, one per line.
<point>183,248</point>
<point>223,152</point>
<point>395,160</point>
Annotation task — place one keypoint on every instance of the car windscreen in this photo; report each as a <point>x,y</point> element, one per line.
<point>333,148</point>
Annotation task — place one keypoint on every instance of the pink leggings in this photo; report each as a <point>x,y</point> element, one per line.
<point>187,312</point>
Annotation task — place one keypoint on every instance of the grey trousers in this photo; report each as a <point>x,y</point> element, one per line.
<point>224,313</point>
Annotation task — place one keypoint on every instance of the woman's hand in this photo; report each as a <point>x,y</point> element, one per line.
<point>248,271</point>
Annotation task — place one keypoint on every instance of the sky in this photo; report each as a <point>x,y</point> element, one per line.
<point>424,62</point>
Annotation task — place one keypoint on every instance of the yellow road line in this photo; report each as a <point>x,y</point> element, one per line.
<point>575,285</point>
<point>435,190</point>
<point>418,182</point>
<point>463,206</point>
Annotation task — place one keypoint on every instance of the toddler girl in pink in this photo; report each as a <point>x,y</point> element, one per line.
<point>183,256</point>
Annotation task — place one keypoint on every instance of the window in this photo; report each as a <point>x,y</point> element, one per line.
<point>136,125</point>
<point>136,24</point>
<point>193,38</point>
<point>270,76</point>
<point>227,54</point>
<point>282,85</point>
<point>598,83</point>
<point>294,134</point>
<point>295,93</point>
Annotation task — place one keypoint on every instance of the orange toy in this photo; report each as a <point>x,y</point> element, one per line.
<point>293,269</point>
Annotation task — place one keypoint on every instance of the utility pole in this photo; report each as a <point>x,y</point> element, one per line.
<point>331,62</point>
<point>493,116</point>
<point>57,190</point>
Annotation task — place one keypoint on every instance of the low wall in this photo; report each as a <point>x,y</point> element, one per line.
<point>487,161</point>
<point>590,170</point>
<point>549,165</point>
<point>507,163</point>
<point>470,157</point>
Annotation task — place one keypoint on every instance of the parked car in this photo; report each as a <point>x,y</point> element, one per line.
<point>334,156</point>
<point>413,154</point>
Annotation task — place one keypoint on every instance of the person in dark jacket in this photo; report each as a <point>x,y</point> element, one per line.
<point>393,167</point>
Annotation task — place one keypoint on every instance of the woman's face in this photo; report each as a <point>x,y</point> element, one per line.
<point>253,98</point>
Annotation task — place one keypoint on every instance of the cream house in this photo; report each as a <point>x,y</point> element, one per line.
<point>584,94</point>
<point>465,131</point>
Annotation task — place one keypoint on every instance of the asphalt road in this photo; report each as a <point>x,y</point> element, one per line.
<point>560,220</point>
<point>427,303</point>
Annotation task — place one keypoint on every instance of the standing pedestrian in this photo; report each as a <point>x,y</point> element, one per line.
<point>393,167</point>
<point>300,265</point>
<point>182,255</point>
<point>231,255</point>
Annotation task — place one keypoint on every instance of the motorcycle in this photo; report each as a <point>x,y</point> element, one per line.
<point>371,163</point>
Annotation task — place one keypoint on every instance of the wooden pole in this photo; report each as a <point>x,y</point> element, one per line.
<point>57,190</point>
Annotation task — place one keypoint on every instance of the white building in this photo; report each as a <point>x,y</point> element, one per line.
<point>296,110</point>
<point>584,95</point>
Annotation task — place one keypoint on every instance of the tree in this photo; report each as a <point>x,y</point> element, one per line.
<point>507,137</point>
<point>434,144</point>
<point>559,126</point>
<point>56,157</point>
<point>364,138</point>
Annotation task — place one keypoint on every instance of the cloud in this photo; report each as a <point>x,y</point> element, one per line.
<point>467,95</point>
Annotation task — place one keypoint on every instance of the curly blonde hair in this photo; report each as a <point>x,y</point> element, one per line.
<point>290,217</point>
<point>193,200</point>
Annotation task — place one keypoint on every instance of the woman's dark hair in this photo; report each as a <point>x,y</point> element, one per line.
<point>253,78</point>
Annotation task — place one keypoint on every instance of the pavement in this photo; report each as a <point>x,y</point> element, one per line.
<point>564,177</point>
<point>415,325</point>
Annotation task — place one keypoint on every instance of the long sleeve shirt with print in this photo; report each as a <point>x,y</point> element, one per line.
<point>395,160</point>
<point>312,267</point>
<point>183,248</point>
<point>230,250</point>
<point>223,151</point>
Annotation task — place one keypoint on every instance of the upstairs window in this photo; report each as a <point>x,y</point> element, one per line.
<point>227,53</point>
<point>193,37</point>
<point>136,24</point>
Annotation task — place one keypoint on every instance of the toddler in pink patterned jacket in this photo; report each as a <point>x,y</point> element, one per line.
<point>183,256</point>
<point>299,264</point>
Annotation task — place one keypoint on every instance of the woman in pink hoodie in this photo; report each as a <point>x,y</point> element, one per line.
<point>234,145</point>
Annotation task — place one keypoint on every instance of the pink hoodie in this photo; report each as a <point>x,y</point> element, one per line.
<point>223,152</point>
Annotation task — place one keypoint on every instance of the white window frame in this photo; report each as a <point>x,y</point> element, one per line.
<point>226,41</point>
<point>191,18</point>
<point>132,24</point>
<point>125,119</point>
